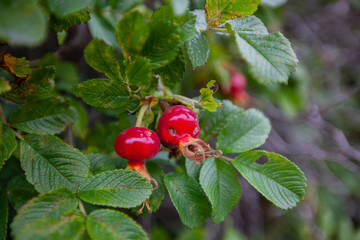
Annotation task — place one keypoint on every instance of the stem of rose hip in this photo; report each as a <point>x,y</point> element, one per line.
<point>141,114</point>
<point>226,158</point>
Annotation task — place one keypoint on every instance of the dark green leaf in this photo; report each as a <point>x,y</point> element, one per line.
<point>49,116</point>
<point>19,191</point>
<point>49,163</point>
<point>81,119</point>
<point>103,27</point>
<point>118,188</point>
<point>245,131</point>
<point>157,196</point>
<point>186,22</point>
<point>66,7</point>
<point>49,206</point>
<point>113,225</point>
<point>102,93</point>
<point>71,226</point>
<point>211,123</point>
<point>101,163</point>
<point>59,23</point>
<point>206,100</point>
<point>124,5</point>
<point>66,76</point>
<point>39,86</point>
<point>192,169</point>
<point>132,32</point>
<point>17,66</point>
<point>220,184</point>
<point>173,72</point>
<point>219,11</point>
<point>163,42</point>
<point>138,72</point>
<point>24,22</point>
<point>270,56</point>
<point>4,86</point>
<point>198,49</point>
<point>188,199</point>
<point>279,180</point>
<point>101,57</point>
<point>4,210</point>
<point>7,143</point>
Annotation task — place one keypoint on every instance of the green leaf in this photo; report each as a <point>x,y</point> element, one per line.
<point>59,23</point>
<point>49,116</point>
<point>192,169</point>
<point>66,76</point>
<point>70,226</point>
<point>219,182</point>
<point>173,72</point>
<point>273,3</point>
<point>49,163</point>
<point>132,32</point>
<point>49,206</point>
<point>17,66</point>
<point>211,123</point>
<point>118,188</point>
<point>66,7</point>
<point>102,93</point>
<point>138,72</point>
<point>188,199</point>
<point>206,100</point>
<point>163,42</point>
<point>198,49</point>
<point>270,56</point>
<point>24,23</point>
<point>113,225</point>
<point>19,191</point>
<point>101,163</point>
<point>4,209</point>
<point>103,27</point>
<point>39,86</point>
<point>186,22</point>
<point>8,143</point>
<point>101,57</point>
<point>157,196</point>
<point>279,180</point>
<point>245,131</point>
<point>219,11</point>
<point>80,124</point>
<point>4,86</point>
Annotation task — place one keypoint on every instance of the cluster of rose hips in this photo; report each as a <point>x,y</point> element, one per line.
<point>177,130</point>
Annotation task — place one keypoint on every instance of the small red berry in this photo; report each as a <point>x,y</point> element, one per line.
<point>237,83</point>
<point>176,123</point>
<point>137,144</point>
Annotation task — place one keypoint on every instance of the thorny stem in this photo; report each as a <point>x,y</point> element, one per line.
<point>226,158</point>
<point>81,206</point>
<point>141,114</point>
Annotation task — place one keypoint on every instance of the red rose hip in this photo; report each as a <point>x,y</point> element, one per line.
<point>137,144</point>
<point>176,123</point>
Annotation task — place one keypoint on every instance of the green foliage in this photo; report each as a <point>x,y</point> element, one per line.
<point>192,169</point>
<point>112,225</point>
<point>219,11</point>
<point>101,57</point>
<point>173,72</point>
<point>198,49</point>
<point>220,184</point>
<point>24,18</point>
<point>4,86</point>
<point>7,143</point>
<point>279,180</point>
<point>66,7</point>
<point>4,209</point>
<point>138,72</point>
<point>270,56</point>
<point>118,188</point>
<point>246,130</point>
<point>59,23</point>
<point>188,199</point>
<point>206,99</point>
<point>132,32</point>
<point>50,163</point>
<point>101,163</point>
<point>43,117</point>
<point>19,191</point>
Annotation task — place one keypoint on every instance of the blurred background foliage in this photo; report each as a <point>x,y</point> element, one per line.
<point>315,117</point>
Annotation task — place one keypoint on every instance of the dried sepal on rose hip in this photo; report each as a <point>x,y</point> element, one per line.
<point>178,129</point>
<point>137,144</point>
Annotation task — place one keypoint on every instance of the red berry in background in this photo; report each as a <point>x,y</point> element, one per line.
<point>176,123</point>
<point>137,144</point>
<point>237,83</point>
